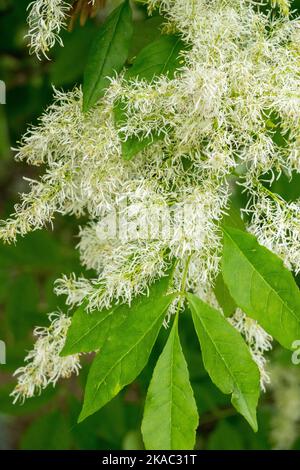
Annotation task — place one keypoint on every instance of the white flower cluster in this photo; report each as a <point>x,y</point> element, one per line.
<point>240,68</point>
<point>45,366</point>
<point>276,224</point>
<point>45,20</point>
<point>285,422</point>
<point>258,340</point>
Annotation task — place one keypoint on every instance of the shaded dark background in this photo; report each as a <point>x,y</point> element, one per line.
<point>29,268</point>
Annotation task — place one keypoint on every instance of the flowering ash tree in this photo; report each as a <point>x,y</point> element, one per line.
<point>152,151</point>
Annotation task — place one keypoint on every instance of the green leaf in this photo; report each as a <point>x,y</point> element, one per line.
<point>75,51</point>
<point>133,145</point>
<point>144,32</point>
<point>108,53</point>
<point>223,296</point>
<point>161,57</point>
<point>127,347</point>
<point>233,218</point>
<point>170,417</point>
<point>261,285</point>
<point>227,358</point>
<point>88,331</point>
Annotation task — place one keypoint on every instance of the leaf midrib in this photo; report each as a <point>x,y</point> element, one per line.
<point>172,405</point>
<point>169,57</point>
<point>116,24</point>
<point>162,66</point>
<point>223,360</point>
<point>129,351</point>
<point>94,327</point>
<point>171,393</point>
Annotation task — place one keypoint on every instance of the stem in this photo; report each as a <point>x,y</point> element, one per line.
<point>271,195</point>
<point>181,293</point>
<point>173,272</point>
<point>184,277</point>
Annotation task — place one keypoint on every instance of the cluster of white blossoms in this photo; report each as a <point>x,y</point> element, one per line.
<point>241,66</point>
<point>258,340</point>
<point>276,224</point>
<point>45,20</point>
<point>45,366</point>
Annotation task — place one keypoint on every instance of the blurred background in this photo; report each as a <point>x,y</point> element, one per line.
<point>28,270</point>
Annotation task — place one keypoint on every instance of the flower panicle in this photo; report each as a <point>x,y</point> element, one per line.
<point>219,116</point>
<point>44,364</point>
<point>46,18</point>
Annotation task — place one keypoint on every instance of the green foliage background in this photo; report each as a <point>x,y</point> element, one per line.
<point>28,270</point>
